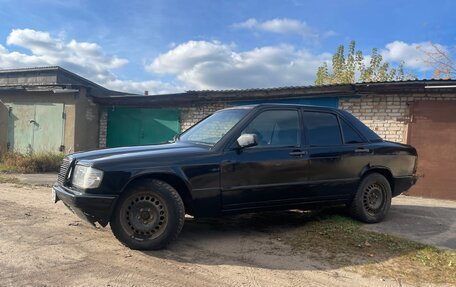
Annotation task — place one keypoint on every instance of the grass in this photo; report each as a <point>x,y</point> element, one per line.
<point>8,179</point>
<point>342,242</point>
<point>30,163</point>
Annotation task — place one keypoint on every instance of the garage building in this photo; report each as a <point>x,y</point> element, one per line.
<point>53,109</point>
<point>420,112</point>
<point>48,110</point>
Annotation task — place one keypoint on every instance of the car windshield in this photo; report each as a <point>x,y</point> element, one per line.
<point>210,130</point>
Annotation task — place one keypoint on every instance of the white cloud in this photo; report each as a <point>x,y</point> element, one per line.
<point>279,26</point>
<point>193,64</point>
<point>48,50</point>
<point>187,55</point>
<point>284,26</point>
<point>214,65</point>
<point>84,58</point>
<point>413,55</point>
<point>329,33</point>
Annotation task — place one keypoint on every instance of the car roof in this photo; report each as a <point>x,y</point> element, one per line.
<point>275,105</point>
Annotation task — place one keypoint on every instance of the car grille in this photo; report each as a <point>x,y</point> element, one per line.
<point>64,171</point>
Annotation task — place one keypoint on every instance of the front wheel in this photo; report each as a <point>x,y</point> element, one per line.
<point>148,216</point>
<point>372,200</point>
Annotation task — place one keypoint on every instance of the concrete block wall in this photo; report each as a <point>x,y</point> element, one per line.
<point>86,133</point>
<point>4,112</point>
<point>387,115</point>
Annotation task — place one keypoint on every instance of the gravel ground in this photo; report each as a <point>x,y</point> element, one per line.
<point>43,244</point>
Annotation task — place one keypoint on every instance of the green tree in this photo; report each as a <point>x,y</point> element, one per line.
<point>351,67</point>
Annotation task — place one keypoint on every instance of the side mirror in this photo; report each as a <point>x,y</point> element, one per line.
<point>247,140</point>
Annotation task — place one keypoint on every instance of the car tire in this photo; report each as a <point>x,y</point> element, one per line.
<point>148,216</point>
<point>372,200</point>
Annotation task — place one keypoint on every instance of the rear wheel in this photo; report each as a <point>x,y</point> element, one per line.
<point>148,216</point>
<point>372,200</point>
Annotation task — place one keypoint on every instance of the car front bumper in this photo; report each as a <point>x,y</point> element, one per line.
<point>90,207</point>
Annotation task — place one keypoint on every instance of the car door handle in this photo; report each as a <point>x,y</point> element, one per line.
<point>298,153</point>
<point>362,150</point>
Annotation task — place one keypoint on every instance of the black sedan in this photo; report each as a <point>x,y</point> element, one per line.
<point>238,160</point>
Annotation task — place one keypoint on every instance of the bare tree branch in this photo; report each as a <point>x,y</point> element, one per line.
<point>441,61</point>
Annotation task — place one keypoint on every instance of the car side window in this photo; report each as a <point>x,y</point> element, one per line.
<point>322,128</point>
<point>275,128</point>
<point>350,135</point>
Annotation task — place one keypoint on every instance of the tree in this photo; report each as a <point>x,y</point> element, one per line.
<point>441,61</point>
<point>352,68</point>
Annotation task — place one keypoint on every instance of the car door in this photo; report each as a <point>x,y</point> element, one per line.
<point>337,155</point>
<point>272,173</point>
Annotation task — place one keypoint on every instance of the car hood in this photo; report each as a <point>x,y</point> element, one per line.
<point>176,149</point>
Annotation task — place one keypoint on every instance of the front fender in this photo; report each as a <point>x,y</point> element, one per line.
<point>159,173</point>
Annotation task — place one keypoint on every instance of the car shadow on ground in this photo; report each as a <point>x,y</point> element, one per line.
<point>265,240</point>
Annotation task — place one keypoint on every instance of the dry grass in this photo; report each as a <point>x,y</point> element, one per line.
<point>30,163</point>
<point>341,242</point>
<point>8,179</point>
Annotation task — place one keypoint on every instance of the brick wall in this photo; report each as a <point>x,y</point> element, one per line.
<point>103,128</point>
<point>194,113</point>
<point>387,115</point>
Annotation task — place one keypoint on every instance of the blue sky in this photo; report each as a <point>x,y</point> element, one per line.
<point>168,46</point>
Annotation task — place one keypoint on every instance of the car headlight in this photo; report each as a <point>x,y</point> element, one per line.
<point>86,177</point>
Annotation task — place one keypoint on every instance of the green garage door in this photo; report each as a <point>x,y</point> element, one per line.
<point>35,127</point>
<point>136,126</point>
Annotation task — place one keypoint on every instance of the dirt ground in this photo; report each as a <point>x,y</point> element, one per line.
<point>44,244</point>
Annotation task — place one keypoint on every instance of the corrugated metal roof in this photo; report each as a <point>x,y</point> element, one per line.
<point>338,90</point>
<point>57,69</point>
<point>413,81</point>
<point>31,69</point>
<point>285,91</point>
<point>264,89</point>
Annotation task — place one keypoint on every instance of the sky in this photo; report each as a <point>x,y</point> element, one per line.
<point>167,46</point>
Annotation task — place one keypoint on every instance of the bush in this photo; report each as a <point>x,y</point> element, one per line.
<point>30,163</point>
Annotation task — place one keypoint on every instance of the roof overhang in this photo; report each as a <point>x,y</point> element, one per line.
<point>56,89</point>
<point>340,90</point>
<point>407,87</point>
<point>192,97</point>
